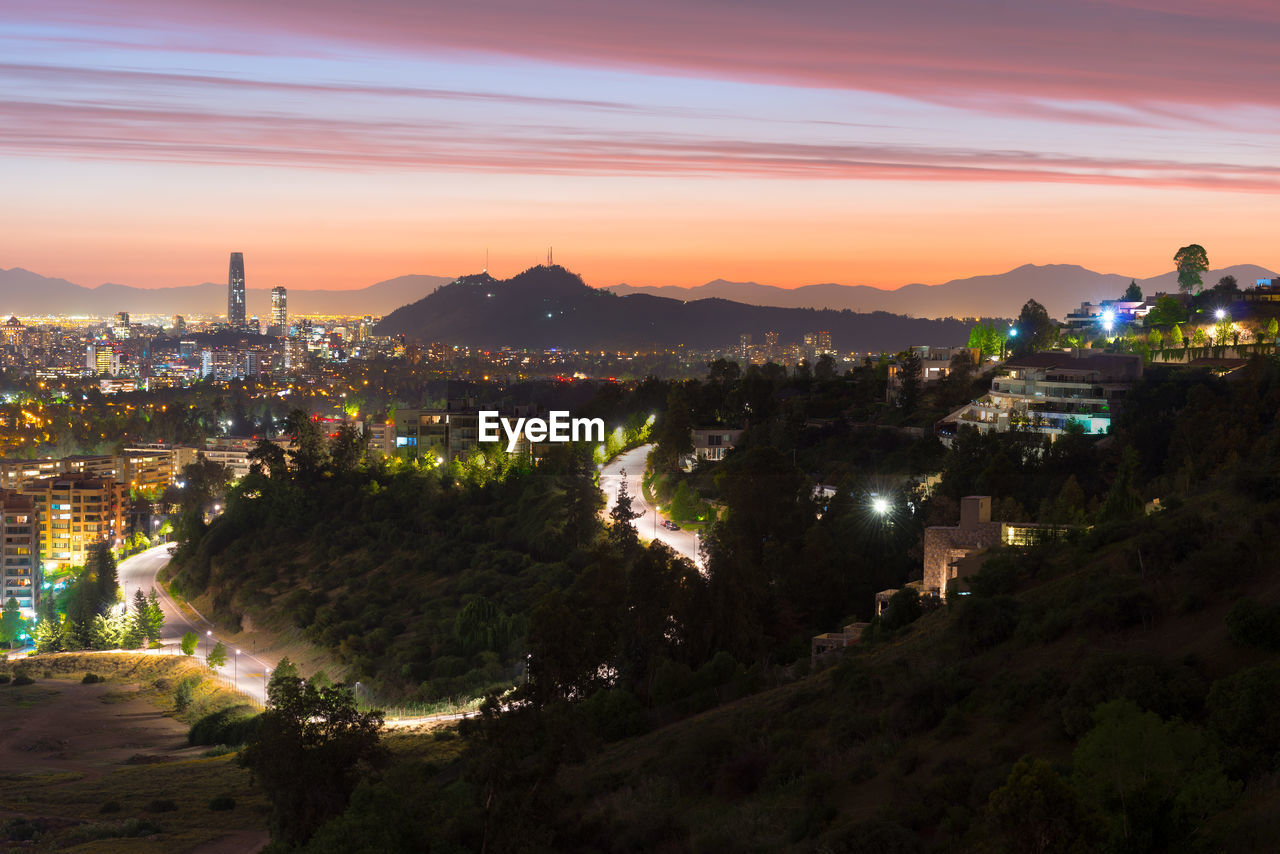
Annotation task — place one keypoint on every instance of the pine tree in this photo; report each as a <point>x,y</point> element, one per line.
<point>108,583</point>
<point>10,621</point>
<point>47,635</point>
<point>154,616</point>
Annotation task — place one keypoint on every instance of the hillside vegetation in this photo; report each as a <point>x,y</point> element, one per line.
<point>1115,692</point>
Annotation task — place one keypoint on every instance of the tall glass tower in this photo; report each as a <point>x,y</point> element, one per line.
<point>235,291</point>
<point>280,309</point>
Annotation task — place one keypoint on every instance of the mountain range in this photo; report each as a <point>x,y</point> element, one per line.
<point>1058,287</point>
<point>23,292</point>
<point>546,307</point>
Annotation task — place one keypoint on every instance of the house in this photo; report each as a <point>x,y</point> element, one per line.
<point>712,443</point>
<point>935,365</point>
<point>1046,392</point>
<point>945,545</point>
<point>825,644</point>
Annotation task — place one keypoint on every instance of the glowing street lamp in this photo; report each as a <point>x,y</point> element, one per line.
<point>880,506</point>
<point>1108,320</point>
<point>1220,313</point>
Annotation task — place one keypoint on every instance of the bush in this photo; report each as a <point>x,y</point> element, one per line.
<point>982,623</point>
<point>161,805</point>
<point>1251,623</point>
<point>92,679</point>
<point>227,726</point>
<point>22,677</point>
<point>5,678</point>
<point>184,693</point>
<point>222,802</point>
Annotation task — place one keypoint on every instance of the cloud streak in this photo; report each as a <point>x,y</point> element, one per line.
<point>1139,53</point>
<point>97,131</point>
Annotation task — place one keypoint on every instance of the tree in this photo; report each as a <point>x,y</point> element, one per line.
<point>10,622</point>
<point>1175,337</point>
<point>346,449</point>
<point>1156,339</point>
<point>1190,262</point>
<point>1123,501</point>
<point>1227,286</point>
<point>47,636</point>
<point>1133,293</point>
<point>909,379</point>
<point>311,747</point>
<point>155,616</point>
<point>1199,339</point>
<point>104,566</point>
<point>1273,329</point>
<point>1166,312</point>
<point>1035,329</point>
<point>190,641</point>
<point>1038,812</point>
<point>309,456</point>
<point>985,337</point>
<point>621,530</point>
<point>217,656</point>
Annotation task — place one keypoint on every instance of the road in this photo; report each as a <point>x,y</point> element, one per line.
<point>650,524</point>
<point>244,672</point>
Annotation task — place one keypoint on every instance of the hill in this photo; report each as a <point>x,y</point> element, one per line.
<point>1059,287</point>
<point>25,293</point>
<point>546,307</point>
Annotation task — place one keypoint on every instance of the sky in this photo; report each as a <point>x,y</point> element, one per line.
<point>669,142</point>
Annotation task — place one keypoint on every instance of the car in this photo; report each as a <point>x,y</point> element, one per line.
<point>669,525</point>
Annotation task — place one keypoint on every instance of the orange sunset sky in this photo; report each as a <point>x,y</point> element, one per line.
<point>787,144</point>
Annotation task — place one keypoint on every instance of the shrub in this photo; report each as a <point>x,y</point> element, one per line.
<point>160,805</point>
<point>92,679</point>
<point>982,623</point>
<point>222,802</point>
<point>1251,623</point>
<point>227,726</point>
<point>5,678</point>
<point>22,677</point>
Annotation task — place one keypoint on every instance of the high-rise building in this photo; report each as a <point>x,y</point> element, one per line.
<point>744,347</point>
<point>235,291</point>
<point>122,329</point>
<point>179,324</point>
<point>280,309</point>
<point>76,511</point>
<point>20,576</point>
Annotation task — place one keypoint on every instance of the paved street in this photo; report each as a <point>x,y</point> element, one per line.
<point>245,672</point>
<point>649,525</point>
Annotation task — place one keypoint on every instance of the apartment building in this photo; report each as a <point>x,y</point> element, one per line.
<point>21,576</point>
<point>76,511</point>
<point>1047,392</point>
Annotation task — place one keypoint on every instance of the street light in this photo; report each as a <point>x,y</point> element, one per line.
<point>1220,313</point>
<point>235,672</point>
<point>208,646</point>
<point>880,505</point>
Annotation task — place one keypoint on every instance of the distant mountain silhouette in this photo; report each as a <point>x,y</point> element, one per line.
<point>1058,287</point>
<point>26,293</point>
<point>547,307</point>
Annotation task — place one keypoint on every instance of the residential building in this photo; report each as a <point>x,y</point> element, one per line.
<point>935,365</point>
<point>712,443</point>
<point>437,433</point>
<point>945,545</point>
<point>13,333</point>
<point>76,511</point>
<point>21,575</point>
<point>1046,392</point>
<point>233,452</point>
<point>235,292</point>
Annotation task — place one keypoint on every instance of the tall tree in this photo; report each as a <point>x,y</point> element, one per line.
<point>1035,329</point>
<point>104,564</point>
<point>311,747</point>
<point>10,622</point>
<point>1190,262</point>
<point>909,381</point>
<point>1133,293</point>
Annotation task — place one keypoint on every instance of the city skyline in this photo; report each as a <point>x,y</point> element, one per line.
<point>786,145</point>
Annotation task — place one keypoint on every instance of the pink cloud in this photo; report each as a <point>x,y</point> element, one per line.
<point>98,131</point>
<point>1132,52</point>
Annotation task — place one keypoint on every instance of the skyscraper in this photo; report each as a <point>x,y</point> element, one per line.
<point>235,291</point>
<point>280,310</point>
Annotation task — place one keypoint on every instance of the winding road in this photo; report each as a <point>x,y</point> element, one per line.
<point>632,463</point>
<point>244,672</point>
